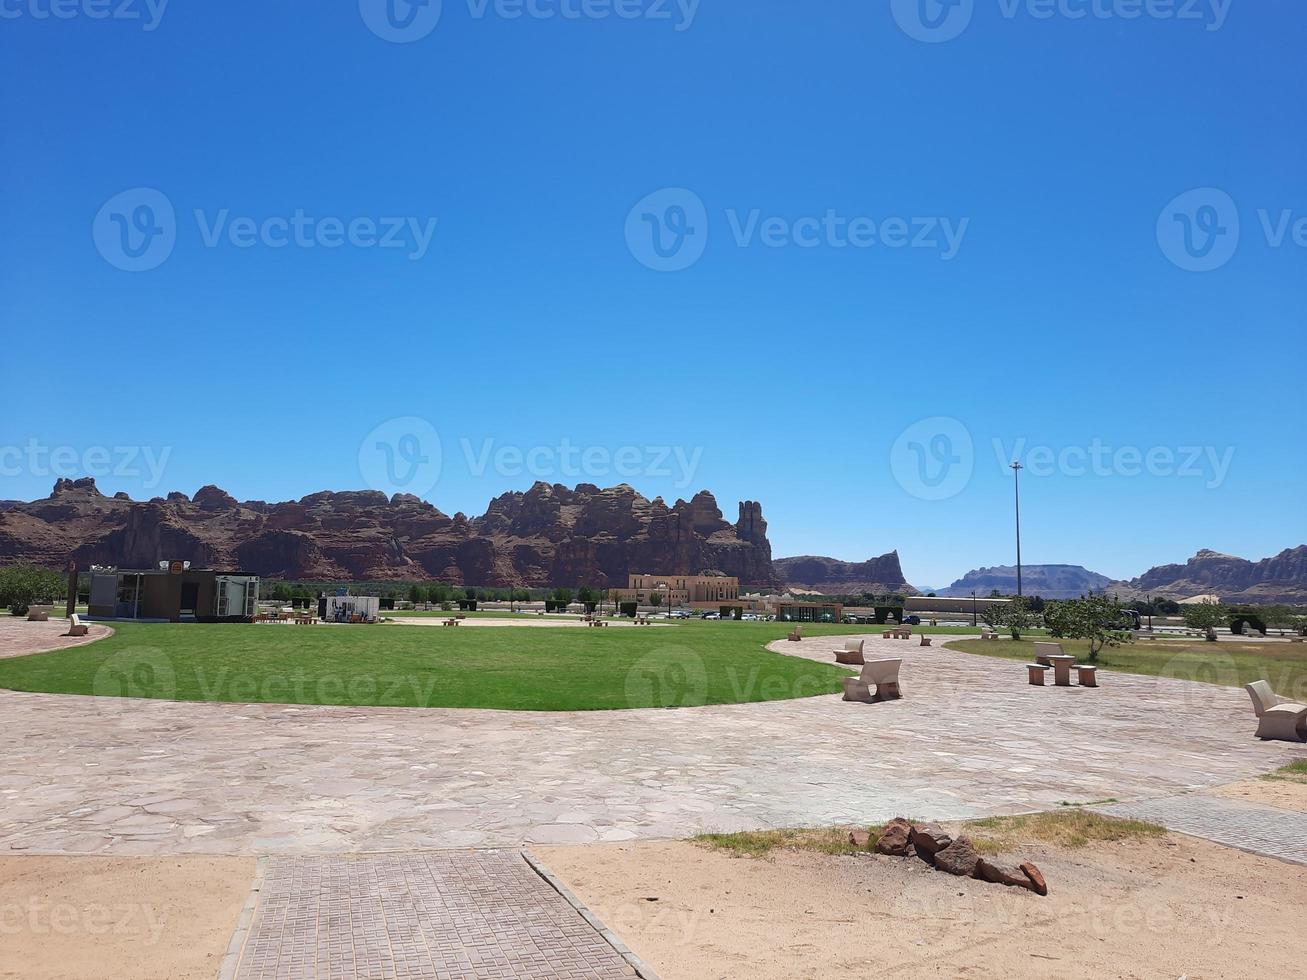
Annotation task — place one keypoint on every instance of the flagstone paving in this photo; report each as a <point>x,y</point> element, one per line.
<point>447,915</point>
<point>970,739</point>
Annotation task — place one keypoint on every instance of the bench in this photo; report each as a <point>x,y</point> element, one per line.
<point>988,635</point>
<point>38,614</point>
<point>851,654</point>
<point>1037,673</point>
<point>795,635</point>
<point>883,675</point>
<point>1086,675</point>
<point>77,627</point>
<point>925,641</point>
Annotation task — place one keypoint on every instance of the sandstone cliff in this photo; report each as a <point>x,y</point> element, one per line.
<point>550,535</point>
<point>1279,579</point>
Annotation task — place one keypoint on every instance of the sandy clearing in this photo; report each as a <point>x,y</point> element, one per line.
<point>92,918</point>
<point>1266,792</point>
<point>1157,909</point>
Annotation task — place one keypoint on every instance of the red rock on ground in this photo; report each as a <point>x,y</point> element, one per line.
<point>895,839</point>
<point>1037,883</point>
<point>859,839</point>
<point>929,839</point>
<point>959,858</point>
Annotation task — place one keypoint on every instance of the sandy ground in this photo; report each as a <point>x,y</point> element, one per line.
<point>110,918</point>
<point>1167,908</point>
<point>1267,792</point>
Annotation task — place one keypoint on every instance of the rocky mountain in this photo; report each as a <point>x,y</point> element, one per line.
<point>1281,578</point>
<point>547,536</point>
<point>833,577</point>
<point>1048,581</point>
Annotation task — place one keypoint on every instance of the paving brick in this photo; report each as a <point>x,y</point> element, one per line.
<point>465,914</point>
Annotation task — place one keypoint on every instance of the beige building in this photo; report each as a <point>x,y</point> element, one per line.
<point>696,591</point>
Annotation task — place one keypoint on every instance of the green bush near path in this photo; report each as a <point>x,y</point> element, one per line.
<point>1228,663</point>
<point>696,663</point>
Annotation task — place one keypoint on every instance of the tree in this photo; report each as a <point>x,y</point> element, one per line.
<point>587,595</point>
<point>655,599</point>
<point>417,594</point>
<point>1013,615</point>
<point>1096,618</point>
<point>1206,616</point>
<point>564,596</point>
<point>23,585</point>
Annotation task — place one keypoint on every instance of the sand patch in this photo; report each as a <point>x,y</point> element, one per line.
<point>1284,794</point>
<point>93,917</point>
<point>1168,907</point>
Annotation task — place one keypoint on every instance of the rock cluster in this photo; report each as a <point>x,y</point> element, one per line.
<point>955,856</point>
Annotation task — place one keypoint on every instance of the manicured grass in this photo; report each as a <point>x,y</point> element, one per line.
<point>419,666</point>
<point>1226,662</point>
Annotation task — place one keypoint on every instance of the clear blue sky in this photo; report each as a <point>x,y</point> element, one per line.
<point>1067,315</point>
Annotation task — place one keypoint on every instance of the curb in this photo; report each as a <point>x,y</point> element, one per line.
<point>634,962</point>
<point>231,960</point>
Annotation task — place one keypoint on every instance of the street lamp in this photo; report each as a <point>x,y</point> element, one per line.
<point>1016,486</point>
<point>974,621</point>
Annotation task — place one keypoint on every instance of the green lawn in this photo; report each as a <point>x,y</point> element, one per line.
<point>417,666</point>
<point>1229,663</point>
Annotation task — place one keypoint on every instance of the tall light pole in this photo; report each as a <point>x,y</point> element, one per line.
<point>1016,486</point>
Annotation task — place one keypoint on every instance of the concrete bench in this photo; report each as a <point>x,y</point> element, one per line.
<point>883,675</point>
<point>77,627</point>
<point>925,641</point>
<point>39,614</point>
<point>988,635</point>
<point>1037,673</point>
<point>1086,675</point>
<point>851,654</point>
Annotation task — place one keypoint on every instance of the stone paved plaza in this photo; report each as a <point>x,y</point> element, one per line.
<point>970,739</point>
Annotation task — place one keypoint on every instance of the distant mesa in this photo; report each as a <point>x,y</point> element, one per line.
<point>1048,581</point>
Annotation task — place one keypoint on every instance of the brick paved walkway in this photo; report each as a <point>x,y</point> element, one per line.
<point>433,915</point>
<point>1235,823</point>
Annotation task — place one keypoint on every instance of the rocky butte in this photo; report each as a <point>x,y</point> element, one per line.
<point>551,535</point>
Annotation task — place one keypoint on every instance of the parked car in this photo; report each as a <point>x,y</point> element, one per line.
<point>712,615</point>
<point>911,620</point>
